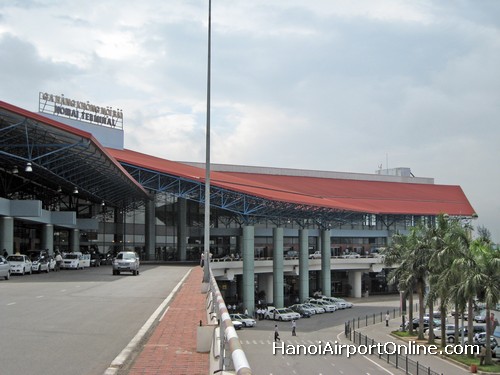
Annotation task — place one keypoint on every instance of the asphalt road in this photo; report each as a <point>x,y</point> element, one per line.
<point>75,322</point>
<point>257,342</point>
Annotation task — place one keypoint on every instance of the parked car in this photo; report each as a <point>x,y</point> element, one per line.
<point>126,261</point>
<point>351,254</point>
<point>480,340</point>
<point>315,255</point>
<point>318,309</point>
<point>464,332</point>
<point>39,260</point>
<point>465,315</point>
<point>328,306</point>
<point>237,324</point>
<point>245,319</point>
<point>292,254</point>
<point>71,260</point>
<point>4,268</point>
<point>305,312</point>
<point>20,263</point>
<point>449,330</point>
<point>85,260</point>
<point>415,323</point>
<point>340,302</point>
<point>284,314</point>
<point>95,260</point>
<point>480,317</point>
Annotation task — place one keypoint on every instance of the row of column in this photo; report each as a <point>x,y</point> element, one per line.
<point>274,284</point>
<point>46,240</point>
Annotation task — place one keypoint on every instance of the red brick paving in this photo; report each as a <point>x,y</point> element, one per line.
<point>171,349</point>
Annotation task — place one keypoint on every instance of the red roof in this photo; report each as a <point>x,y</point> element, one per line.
<point>375,197</point>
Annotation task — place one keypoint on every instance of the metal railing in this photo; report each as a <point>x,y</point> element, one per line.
<point>400,361</point>
<point>231,355</point>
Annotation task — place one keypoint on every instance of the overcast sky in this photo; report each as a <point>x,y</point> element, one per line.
<point>319,84</point>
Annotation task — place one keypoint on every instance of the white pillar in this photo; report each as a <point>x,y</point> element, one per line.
<point>7,234</point>
<point>74,239</point>
<point>269,280</point>
<point>355,282</point>
<point>48,238</point>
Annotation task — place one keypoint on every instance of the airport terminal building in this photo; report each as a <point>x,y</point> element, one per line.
<point>68,184</point>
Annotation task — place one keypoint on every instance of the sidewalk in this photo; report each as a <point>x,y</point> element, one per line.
<point>171,349</point>
<point>380,333</point>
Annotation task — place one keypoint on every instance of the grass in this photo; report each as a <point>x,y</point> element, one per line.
<point>495,368</point>
<point>403,334</point>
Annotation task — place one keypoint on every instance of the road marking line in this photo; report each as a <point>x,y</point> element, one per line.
<point>11,303</point>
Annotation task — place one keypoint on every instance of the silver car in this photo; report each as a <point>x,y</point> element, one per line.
<point>126,261</point>
<point>4,268</point>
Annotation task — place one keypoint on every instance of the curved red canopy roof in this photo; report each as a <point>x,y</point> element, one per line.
<point>377,197</point>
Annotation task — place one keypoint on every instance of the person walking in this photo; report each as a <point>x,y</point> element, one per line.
<point>276,334</point>
<point>387,317</point>
<point>59,260</point>
<point>294,326</point>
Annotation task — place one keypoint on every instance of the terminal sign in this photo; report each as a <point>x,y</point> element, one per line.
<point>59,105</point>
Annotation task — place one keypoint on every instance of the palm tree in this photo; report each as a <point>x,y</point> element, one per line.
<point>488,282</point>
<point>450,239</point>
<point>402,255</point>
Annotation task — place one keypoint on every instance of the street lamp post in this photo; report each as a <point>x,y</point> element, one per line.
<point>206,242</point>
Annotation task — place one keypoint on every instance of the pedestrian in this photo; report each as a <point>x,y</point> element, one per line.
<point>5,253</point>
<point>276,334</point>
<point>59,260</point>
<point>482,355</point>
<point>294,326</point>
<point>387,317</point>
<point>246,311</point>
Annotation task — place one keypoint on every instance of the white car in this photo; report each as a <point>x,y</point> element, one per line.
<point>4,268</point>
<point>20,263</point>
<point>284,314</point>
<point>40,265</point>
<point>449,330</point>
<point>71,260</point>
<point>85,260</point>
<point>315,255</point>
<point>342,303</point>
<point>245,319</point>
<point>335,301</point>
<point>351,255</point>
<point>328,306</point>
<point>237,324</point>
<point>318,309</point>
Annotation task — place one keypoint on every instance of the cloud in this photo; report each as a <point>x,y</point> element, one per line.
<point>333,85</point>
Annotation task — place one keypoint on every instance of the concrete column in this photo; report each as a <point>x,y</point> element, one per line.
<point>303,264</point>
<point>150,229</point>
<point>47,238</point>
<point>269,280</point>
<point>182,228</point>
<point>326,274</point>
<point>248,269</point>
<point>7,234</point>
<point>74,239</point>
<point>278,268</point>
<point>355,282</point>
